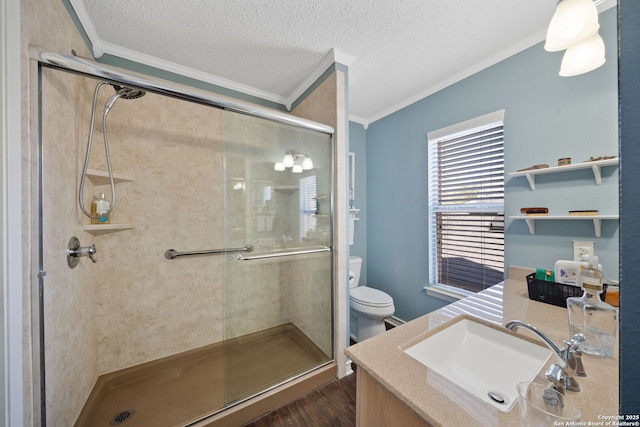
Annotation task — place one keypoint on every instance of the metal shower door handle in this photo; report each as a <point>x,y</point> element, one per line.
<point>75,251</point>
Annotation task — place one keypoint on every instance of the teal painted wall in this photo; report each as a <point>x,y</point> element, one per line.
<point>546,117</point>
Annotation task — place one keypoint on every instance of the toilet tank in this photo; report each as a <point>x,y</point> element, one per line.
<point>355,265</point>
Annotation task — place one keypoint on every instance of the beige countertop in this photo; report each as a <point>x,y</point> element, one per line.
<point>441,402</point>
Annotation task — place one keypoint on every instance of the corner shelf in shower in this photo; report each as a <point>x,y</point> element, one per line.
<point>101,178</point>
<point>98,229</point>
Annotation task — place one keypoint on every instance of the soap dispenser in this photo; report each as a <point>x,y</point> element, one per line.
<point>590,316</point>
<point>99,210</point>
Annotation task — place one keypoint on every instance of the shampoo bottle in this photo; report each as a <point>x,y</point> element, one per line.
<point>99,208</point>
<point>592,317</point>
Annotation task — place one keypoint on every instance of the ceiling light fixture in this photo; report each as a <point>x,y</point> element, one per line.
<point>583,57</point>
<point>573,21</point>
<point>574,27</point>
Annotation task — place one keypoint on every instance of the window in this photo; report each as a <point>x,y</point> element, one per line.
<point>466,204</point>
<point>308,205</point>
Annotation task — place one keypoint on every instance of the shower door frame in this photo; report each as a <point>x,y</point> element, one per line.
<point>40,59</point>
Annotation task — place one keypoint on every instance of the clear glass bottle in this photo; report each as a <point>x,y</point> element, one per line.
<point>99,208</point>
<point>592,317</point>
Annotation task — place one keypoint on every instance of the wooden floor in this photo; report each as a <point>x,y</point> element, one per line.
<point>331,405</point>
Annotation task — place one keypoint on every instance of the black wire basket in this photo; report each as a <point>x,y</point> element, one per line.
<point>553,292</point>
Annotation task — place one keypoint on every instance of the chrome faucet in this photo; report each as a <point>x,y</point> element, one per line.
<point>562,377</point>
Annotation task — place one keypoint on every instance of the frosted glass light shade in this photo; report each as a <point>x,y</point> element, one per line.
<point>288,161</point>
<point>307,164</point>
<point>574,20</point>
<point>297,169</point>
<point>583,57</point>
<point>279,166</point>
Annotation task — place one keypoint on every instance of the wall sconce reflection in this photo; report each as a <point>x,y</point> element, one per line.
<point>297,162</point>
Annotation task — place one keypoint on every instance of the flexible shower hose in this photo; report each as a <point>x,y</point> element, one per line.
<point>106,150</point>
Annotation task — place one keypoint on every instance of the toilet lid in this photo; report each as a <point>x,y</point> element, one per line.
<point>369,296</point>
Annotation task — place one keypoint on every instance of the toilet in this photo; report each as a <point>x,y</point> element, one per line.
<point>368,307</point>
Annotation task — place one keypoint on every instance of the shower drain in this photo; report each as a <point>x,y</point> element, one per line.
<point>122,416</point>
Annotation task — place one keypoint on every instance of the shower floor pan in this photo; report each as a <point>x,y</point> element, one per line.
<point>184,387</point>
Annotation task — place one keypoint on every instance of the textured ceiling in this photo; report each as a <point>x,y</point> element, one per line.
<point>397,51</point>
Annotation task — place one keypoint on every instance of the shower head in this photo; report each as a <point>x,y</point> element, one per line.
<point>124,93</point>
<point>128,92</point>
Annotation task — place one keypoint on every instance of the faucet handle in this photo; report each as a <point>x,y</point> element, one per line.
<point>576,341</point>
<point>562,377</point>
<point>579,367</point>
<point>572,357</point>
<point>90,252</point>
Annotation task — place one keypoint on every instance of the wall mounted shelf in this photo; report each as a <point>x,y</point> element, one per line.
<point>98,229</point>
<point>594,166</point>
<point>597,220</point>
<point>101,178</point>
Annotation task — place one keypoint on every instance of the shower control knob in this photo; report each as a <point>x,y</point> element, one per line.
<point>90,251</point>
<point>75,251</point>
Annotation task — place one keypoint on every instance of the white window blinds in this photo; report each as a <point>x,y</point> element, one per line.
<point>466,203</point>
<point>308,205</point>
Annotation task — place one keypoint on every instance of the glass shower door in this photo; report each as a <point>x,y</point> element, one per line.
<point>277,295</point>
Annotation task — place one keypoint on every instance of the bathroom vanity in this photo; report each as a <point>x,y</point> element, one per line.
<point>393,388</point>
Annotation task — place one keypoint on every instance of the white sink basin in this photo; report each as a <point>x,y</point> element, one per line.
<point>482,359</point>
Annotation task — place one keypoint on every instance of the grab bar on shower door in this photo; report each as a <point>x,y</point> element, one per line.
<point>172,253</point>
<point>281,254</point>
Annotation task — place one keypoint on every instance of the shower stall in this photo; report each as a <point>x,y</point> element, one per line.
<point>211,283</point>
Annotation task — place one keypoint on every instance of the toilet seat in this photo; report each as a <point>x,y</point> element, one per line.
<point>370,297</point>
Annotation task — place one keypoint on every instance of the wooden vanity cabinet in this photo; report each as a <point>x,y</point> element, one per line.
<point>376,406</point>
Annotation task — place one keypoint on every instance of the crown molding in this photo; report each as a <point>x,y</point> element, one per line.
<point>455,78</point>
<point>87,25</point>
<point>603,5</point>
<point>181,70</point>
<point>360,120</point>
<point>100,47</point>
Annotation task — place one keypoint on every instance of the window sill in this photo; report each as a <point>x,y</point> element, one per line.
<point>447,293</point>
